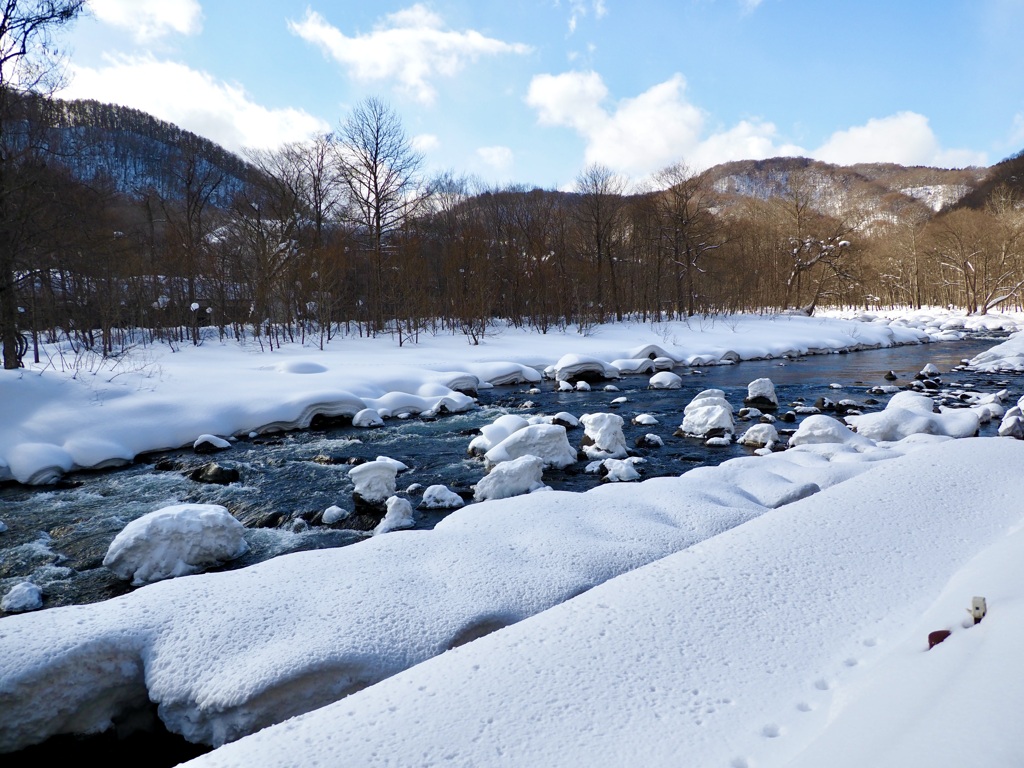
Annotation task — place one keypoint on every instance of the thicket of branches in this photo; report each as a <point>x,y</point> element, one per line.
<point>344,233</point>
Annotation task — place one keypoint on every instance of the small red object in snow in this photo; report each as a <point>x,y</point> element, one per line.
<point>936,637</point>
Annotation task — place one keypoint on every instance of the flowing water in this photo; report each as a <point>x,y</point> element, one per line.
<point>57,536</point>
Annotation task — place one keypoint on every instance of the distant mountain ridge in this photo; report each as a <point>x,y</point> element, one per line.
<point>137,152</point>
<point>140,153</point>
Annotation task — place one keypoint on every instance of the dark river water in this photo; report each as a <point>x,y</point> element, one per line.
<point>57,536</point>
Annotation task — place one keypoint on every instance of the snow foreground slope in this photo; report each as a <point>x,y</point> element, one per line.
<point>800,635</point>
<point>223,655</point>
<point>164,399</point>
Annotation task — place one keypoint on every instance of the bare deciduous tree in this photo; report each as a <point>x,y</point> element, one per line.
<point>380,171</point>
<point>28,64</point>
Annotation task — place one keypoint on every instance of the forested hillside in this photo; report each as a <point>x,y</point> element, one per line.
<point>118,222</point>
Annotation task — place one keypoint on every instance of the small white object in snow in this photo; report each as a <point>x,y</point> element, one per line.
<point>611,388</point>
<point>619,400</point>
<point>399,515</point>
<point>175,541</point>
<point>582,386</point>
<point>24,596</point>
<point>645,420</point>
<point>565,386</point>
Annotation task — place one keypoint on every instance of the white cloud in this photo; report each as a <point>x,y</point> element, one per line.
<point>749,6</point>
<point>426,142</point>
<point>498,158</point>
<point>194,100</point>
<point>410,47</point>
<point>150,19</point>
<point>747,140</point>
<point>641,135</point>
<point>905,138</point>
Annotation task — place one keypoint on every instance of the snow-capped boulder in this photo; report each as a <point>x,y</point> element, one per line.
<point>374,481</point>
<point>645,420</point>
<point>603,438</point>
<point>399,515</point>
<point>708,415</point>
<point>175,541</point>
<point>210,444</point>
<point>367,418</point>
<point>760,436</point>
<point>333,514</point>
<point>761,395</point>
<point>582,386</point>
<point>440,497</point>
<point>24,596</point>
<point>545,441</point>
<point>493,433</point>
<point>665,380</point>
<point>620,470</point>
<point>820,428</point>
<point>511,478</point>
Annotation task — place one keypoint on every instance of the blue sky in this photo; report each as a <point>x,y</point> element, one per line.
<point>532,91</point>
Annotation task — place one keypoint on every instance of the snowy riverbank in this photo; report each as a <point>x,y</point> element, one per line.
<point>770,609</point>
<point>97,414</point>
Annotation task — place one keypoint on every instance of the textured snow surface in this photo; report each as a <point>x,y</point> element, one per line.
<point>799,637</point>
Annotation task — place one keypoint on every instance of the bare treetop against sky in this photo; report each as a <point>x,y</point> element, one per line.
<point>530,91</point>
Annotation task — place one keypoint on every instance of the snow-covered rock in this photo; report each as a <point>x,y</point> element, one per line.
<point>210,444</point>
<point>175,541</point>
<point>761,395</point>
<point>645,419</point>
<point>374,481</point>
<point>548,442</point>
<point>23,596</point>
<point>511,478</point>
<point>821,429</point>
<point>367,418</point>
<point>760,436</point>
<point>399,515</point>
<point>493,433</point>
<point>603,437</point>
<point>334,514</point>
<point>440,497</point>
<point>708,415</point>
<point>665,380</point>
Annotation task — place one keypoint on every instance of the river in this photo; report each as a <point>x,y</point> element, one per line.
<point>57,536</point>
